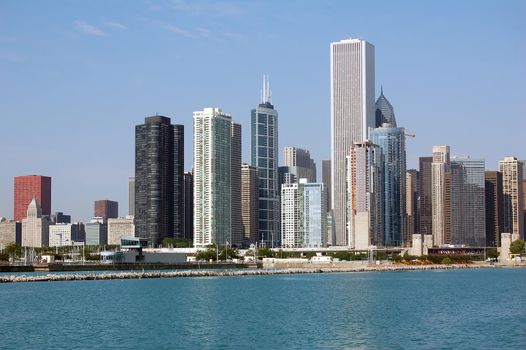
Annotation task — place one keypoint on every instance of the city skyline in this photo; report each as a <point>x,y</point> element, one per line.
<point>96,163</point>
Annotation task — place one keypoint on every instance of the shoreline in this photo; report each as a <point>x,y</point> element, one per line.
<point>227,273</point>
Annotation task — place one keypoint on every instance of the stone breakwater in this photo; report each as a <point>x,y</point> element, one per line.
<point>224,273</point>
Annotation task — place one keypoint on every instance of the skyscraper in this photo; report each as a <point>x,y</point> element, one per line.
<point>494,207</point>
<point>326,178</point>
<point>384,111</point>
<point>106,209</point>
<point>425,202</point>
<point>264,156</point>
<point>188,206</point>
<point>159,161</point>
<point>300,163</point>
<point>411,203</point>
<point>35,227</point>
<point>439,168</point>
<point>468,212</point>
<point>392,142</point>
<point>28,187</point>
<point>131,196</point>
<point>235,186</point>
<point>249,203</point>
<point>352,114</point>
<point>212,177</point>
<point>511,170</point>
<point>365,195</point>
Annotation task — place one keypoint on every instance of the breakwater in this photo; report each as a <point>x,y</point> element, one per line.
<point>224,273</point>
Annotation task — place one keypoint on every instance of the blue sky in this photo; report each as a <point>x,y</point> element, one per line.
<point>77,76</point>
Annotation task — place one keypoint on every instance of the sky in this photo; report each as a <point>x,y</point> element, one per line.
<point>77,76</point>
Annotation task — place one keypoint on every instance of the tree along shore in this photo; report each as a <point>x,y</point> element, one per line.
<point>223,273</point>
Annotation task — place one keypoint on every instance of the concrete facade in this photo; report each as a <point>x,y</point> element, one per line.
<point>120,227</point>
<point>35,227</point>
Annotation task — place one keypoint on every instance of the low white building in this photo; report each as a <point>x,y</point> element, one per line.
<point>60,235</point>
<point>120,227</point>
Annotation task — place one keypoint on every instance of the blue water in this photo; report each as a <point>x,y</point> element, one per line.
<point>462,309</point>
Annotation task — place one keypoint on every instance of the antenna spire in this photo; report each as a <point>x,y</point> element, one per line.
<point>266,95</point>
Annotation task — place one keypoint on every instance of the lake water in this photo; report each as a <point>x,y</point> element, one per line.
<point>459,309</point>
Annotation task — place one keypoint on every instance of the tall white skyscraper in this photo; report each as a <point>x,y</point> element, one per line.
<point>352,114</point>
<point>212,176</point>
<point>440,168</point>
<point>511,170</point>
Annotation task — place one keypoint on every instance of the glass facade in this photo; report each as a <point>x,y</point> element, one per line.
<point>392,142</point>
<point>264,156</point>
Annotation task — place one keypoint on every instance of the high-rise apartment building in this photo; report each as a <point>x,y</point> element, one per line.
<point>425,202</point>
<point>28,187</point>
<point>159,168</point>
<point>35,227</point>
<point>411,203</point>
<point>131,196</point>
<point>511,170</point>
<point>468,212</point>
<point>303,215</point>
<point>212,177</point>
<point>352,114</point>
<point>439,168</point>
<point>365,196</point>
<point>392,142</point>
<point>106,209</point>
<point>249,203</point>
<point>188,205</point>
<point>494,207</point>
<point>264,156</point>
<point>326,179</point>
<point>235,186</point>
<point>300,163</point>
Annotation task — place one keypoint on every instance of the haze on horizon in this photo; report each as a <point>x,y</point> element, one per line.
<point>76,77</point>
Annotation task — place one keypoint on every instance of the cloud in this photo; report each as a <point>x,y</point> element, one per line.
<point>205,33</point>
<point>117,25</point>
<point>86,28</point>
<point>177,30</point>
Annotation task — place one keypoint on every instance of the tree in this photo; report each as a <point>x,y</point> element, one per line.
<point>14,250</point>
<point>209,254</point>
<point>517,247</point>
<point>492,253</point>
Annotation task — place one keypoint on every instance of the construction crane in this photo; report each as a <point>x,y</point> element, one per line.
<point>410,135</point>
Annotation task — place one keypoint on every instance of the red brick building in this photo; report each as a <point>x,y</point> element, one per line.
<point>27,187</point>
<point>106,209</point>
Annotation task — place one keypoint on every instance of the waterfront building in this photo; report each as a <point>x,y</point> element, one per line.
<point>467,207</point>
<point>78,232</point>
<point>326,179</point>
<point>96,232</point>
<point>106,209</point>
<point>212,177</point>
<point>439,168</point>
<point>384,111</point>
<point>235,186</point>
<point>60,218</point>
<point>131,196</point>
<point>494,207</point>
<point>411,203</point>
<point>61,234</point>
<point>264,156</point>
<point>159,168</point>
<point>28,187</point>
<point>188,206</point>
<point>10,232</point>
<point>303,215</point>
<point>35,226</point>
<point>300,163</point>
<point>120,227</point>
<point>352,115</point>
<point>425,196</point>
<point>511,170</point>
<point>249,203</point>
<point>392,142</point>
<point>365,196</point>
<point>524,206</point>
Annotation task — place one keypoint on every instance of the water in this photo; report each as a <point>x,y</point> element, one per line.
<point>460,309</point>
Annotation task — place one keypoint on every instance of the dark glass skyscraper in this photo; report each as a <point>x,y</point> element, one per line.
<point>264,153</point>
<point>159,186</point>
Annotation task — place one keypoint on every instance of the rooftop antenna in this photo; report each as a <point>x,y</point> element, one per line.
<point>266,95</point>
